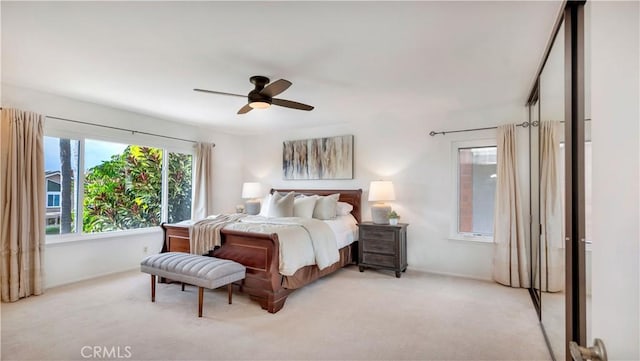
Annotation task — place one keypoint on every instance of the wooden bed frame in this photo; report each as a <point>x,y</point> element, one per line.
<point>260,254</point>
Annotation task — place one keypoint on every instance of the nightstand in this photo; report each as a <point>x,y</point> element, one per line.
<point>383,246</point>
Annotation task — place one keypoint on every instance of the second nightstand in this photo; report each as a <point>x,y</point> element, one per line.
<point>383,246</point>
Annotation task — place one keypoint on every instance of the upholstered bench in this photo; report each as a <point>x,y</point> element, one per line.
<point>201,271</point>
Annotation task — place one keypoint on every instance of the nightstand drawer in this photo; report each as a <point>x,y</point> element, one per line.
<point>378,233</point>
<point>378,259</point>
<point>378,246</point>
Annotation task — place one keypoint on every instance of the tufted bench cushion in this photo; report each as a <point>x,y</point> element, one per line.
<point>201,271</point>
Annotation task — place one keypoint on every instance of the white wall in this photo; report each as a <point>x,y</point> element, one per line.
<point>615,93</point>
<point>394,146</point>
<point>88,256</point>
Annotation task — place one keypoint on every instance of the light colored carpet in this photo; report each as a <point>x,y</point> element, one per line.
<point>553,320</point>
<point>346,316</point>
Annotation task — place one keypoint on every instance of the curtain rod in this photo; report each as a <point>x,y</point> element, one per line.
<point>122,129</point>
<point>523,124</point>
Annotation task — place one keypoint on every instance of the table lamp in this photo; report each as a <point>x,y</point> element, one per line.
<point>379,192</point>
<point>252,191</point>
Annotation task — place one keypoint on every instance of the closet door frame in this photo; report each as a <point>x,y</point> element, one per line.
<point>575,241</point>
<point>534,227</point>
<point>573,17</point>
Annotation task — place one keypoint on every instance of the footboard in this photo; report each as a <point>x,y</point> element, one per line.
<point>260,254</point>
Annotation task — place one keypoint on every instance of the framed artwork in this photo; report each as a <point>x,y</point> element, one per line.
<point>318,158</point>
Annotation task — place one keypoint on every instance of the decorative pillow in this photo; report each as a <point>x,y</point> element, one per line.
<point>264,210</point>
<point>343,208</point>
<point>281,205</point>
<point>304,206</point>
<point>326,207</point>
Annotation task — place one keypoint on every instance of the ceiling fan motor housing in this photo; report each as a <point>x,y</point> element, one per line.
<point>259,81</point>
<point>256,96</point>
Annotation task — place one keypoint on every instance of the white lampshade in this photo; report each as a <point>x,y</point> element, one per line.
<point>251,190</point>
<point>380,191</point>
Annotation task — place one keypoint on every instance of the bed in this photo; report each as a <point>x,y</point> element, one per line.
<point>260,253</point>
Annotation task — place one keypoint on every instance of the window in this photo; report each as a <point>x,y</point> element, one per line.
<point>476,188</point>
<point>121,186</point>
<point>53,186</point>
<point>53,199</point>
<point>179,187</point>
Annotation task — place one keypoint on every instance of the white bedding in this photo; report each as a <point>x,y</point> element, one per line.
<point>345,228</point>
<point>303,241</point>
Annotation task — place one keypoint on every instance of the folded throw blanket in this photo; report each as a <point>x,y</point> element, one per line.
<point>204,235</point>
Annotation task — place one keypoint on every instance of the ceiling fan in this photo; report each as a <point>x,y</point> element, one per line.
<point>263,95</point>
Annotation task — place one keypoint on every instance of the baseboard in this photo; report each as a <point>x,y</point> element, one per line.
<point>92,277</point>
<point>451,274</point>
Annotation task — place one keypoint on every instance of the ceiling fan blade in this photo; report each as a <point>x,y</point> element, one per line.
<point>291,104</point>
<point>221,93</point>
<point>245,109</point>
<point>276,88</point>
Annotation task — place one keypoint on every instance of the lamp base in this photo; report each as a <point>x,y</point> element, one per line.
<point>380,214</point>
<point>252,207</point>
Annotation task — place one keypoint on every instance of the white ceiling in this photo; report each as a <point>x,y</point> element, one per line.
<point>351,60</point>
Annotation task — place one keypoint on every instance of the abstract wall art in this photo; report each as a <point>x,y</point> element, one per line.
<point>318,158</point>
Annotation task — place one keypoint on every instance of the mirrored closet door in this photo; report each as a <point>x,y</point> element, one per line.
<point>551,185</point>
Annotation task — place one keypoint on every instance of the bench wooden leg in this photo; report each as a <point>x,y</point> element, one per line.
<point>200,298</point>
<point>230,291</point>
<point>182,286</point>
<point>153,288</point>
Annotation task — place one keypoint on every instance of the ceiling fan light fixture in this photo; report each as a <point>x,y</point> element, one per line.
<point>259,105</point>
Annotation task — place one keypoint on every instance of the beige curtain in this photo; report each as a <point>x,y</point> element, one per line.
<point>551,210</point>
<point>510,263</point>
<point>202,204</point>
<point>22,201</point>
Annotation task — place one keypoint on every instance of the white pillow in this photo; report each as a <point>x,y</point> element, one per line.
<point>281,205</point>
<point>264,209</point>
<point>343,208</point>
<point>326,207</point>
<point>304,206</point>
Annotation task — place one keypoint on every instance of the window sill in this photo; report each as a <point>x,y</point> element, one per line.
<point>69,238</point>
<point>471,238</point>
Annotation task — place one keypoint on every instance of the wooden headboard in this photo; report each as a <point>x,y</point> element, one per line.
<point>351,196</point>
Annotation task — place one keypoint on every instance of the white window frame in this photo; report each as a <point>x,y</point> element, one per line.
<point>79,196</point>
<point>455,180</point>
